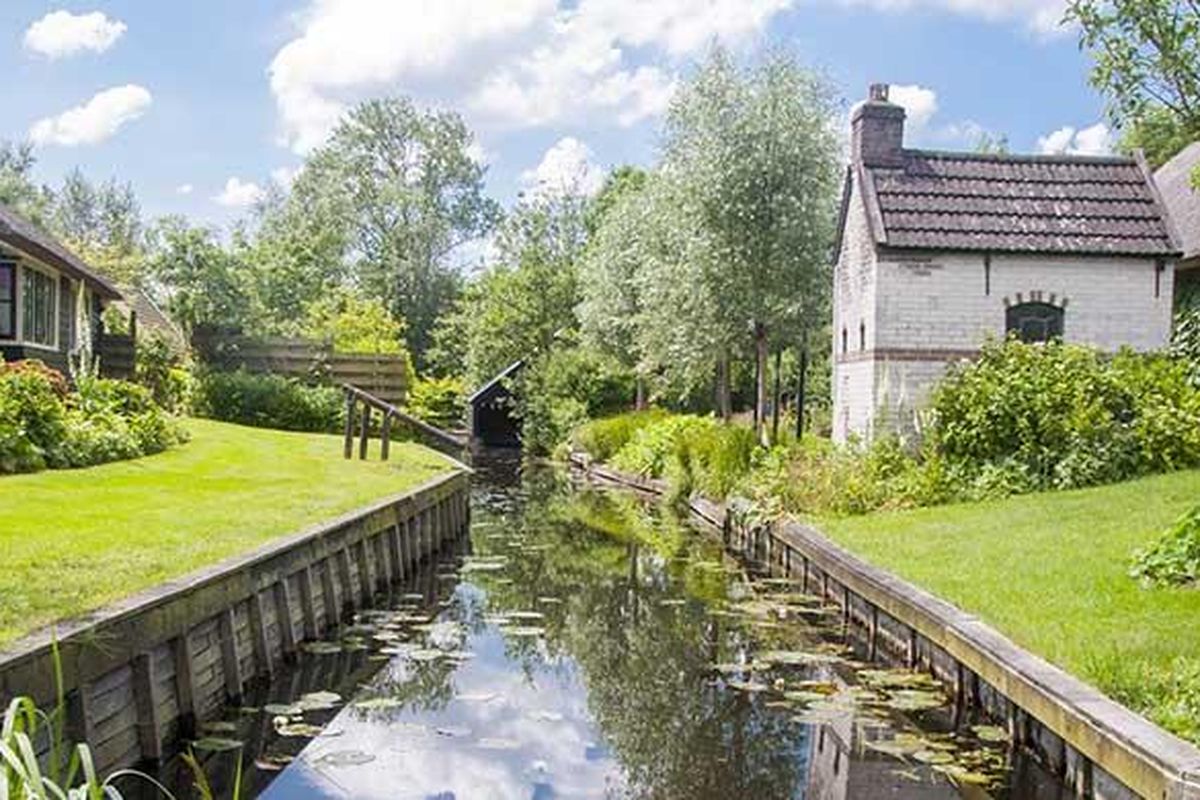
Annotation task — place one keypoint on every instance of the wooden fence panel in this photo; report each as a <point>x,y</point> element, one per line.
<point>384,376</point>
<point>117,355</point>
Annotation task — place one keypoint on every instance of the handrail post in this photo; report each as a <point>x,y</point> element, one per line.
<point>386,436</point>
<point>349,424</point>
<point>365,432</point>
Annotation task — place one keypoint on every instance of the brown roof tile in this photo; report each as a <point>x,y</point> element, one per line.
<point>1036,204</point>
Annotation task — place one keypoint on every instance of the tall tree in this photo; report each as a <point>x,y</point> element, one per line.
<point>1146,62</point>
<point>103,224</point>
<point>17,188</point>
<point>409,194</point>
<point>755,154</point>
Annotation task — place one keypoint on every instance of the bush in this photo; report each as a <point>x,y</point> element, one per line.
<point>161,371</point>
<point>438,401</point>
<point>602,438</point>
<point>1062,416</point>
<point>1173,560</point>
<point>268,401</point>
<point>565,389</point>
<point>43,425</point>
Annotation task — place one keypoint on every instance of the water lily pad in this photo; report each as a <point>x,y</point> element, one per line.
<point>301,730</point>
<point>321,648</point>
<point>379,702</point>
<point>320,701</point>
<point>529,615</point>
<point>219,726</point>
<point>914,700</point>
<point>217,744</point>
<point>525,630</point>
<point>273,762</point>
<point>283,709</point>
<point>990,733</point>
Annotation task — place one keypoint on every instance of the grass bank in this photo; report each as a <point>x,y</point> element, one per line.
<point>76,540</point>
<point>1051,571</point>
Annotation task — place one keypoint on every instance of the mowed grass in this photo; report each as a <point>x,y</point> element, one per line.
<point>1051,571</point>
<point>73,541</point>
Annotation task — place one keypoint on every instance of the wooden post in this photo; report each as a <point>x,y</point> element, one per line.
<point>349,424</point>
<point>79,722</point>
<point>386,436</point>
<point>258,637</point>
<point>365,432</point>
<point>231,664</point>
<point>329,586</point>
<point>396,552</point>
<point>381,547</point>
<point>343,564</point>
<point>366,575</point>
<point>148,724</point>
<point>308,602</point>
<point>283,618</point>
<point>185,687</point>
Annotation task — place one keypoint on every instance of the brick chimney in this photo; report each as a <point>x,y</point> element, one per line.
<point>877,130</point>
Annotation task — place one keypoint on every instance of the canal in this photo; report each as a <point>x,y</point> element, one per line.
<point>582,643</point>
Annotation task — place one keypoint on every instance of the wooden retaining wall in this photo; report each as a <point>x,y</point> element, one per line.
<point>1097,747</point>
<point>140,675</point>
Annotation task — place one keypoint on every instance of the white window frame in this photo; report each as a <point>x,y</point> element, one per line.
<point>22,264</point>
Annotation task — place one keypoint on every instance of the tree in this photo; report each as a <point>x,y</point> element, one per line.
<point>103,225</point>
<point>755,156</point>
<point>17,188</point>
<point>1146,56</point>
<point>206,283</point>
<point>354,324</point>
<point>408,193</point>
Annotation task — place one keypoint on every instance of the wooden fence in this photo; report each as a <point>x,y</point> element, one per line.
<point>386,377</point>
<point>117,355</point>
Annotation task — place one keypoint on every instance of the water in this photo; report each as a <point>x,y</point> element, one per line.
<point>588,645</point>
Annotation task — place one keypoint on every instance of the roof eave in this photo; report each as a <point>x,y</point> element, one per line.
<point>1172,255</point>
<point>44,254</point>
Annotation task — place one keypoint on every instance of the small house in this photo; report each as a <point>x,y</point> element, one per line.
<point>493,415</point>
<point>938,251</point>
<point>50,300</point>
<point>1182,198</point>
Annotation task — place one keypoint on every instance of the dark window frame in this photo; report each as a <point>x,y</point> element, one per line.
<point>8,308</point>
<point>1035,322</point>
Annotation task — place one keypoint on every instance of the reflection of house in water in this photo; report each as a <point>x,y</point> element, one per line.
<point>842,768</point>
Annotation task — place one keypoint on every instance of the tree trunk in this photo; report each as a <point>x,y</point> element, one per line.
<point>801,380</point>
<point>639,402</point>
<point>760,380</point>
<point>724,401</point>
<point>776,396</point>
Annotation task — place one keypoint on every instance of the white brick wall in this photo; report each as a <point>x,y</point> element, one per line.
<point>945,302</point>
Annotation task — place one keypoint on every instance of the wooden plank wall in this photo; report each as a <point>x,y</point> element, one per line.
<point>140,678</point>
<point>386,377</point>
<point>117,354</point>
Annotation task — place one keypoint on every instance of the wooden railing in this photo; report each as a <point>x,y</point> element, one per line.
<point>436,437</point>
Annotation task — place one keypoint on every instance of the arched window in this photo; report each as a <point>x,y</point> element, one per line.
<point>1034,322</point>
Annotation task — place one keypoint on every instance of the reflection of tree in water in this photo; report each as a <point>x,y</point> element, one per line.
<point>646,664</point>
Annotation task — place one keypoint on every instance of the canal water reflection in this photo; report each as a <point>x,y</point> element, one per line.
<point>584,644</point>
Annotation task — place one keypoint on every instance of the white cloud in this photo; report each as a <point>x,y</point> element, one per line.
<point>94,121</point>
<point>516,63</point>
<point>920,104</point>
<point>239,194</point>
<point>185,188</point>
<point>61,33</point>
<point>1041,17</point>
<point>566,169</point>
<point>1095,140</point>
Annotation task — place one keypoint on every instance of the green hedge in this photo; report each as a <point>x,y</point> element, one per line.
<point>267,401</point>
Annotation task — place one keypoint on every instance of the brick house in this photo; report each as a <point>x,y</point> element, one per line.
<point>50,301</point>
<point>1174,181</point>
<point>938,251</point>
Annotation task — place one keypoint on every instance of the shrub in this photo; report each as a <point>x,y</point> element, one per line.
<point>268,401</point>
<point>602,438</point>
<point>566,388</point>
<point>160,369</point>
<point>1061,416</point>
<point>1173,560</point>
<point>105,420</point>
<point>438,401</point>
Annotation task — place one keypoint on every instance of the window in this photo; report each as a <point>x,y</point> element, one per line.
<point>845,345</point>
<point>1034,322</point>
<point>862,336</point>
<point>8,300</point>
<point>39,307</point>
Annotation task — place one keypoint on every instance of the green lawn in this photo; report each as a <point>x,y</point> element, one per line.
<point>1050,571</point>
<point>76,540</point>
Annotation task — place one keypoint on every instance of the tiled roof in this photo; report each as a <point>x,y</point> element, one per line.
<point>1174,181</point>
<point>27,237</point>
<point>1032,204</point>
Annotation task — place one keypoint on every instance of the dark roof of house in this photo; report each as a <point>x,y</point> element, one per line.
<point>1017,204</point>
<point>1174,181</point>
<point>151,317</point>
<point>27,237</point>
<point>483,391</point>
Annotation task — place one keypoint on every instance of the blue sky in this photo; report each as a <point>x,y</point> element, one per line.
<point>200,103</point>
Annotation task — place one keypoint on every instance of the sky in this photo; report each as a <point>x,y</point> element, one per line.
<point>201,103</point>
